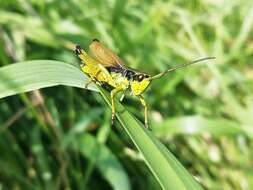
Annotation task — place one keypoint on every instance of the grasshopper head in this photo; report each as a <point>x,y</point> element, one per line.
<point>139,83</point>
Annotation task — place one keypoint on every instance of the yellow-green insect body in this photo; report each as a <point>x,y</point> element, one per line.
<point>93,69</point>
<point>119,81</point>
<point>107,70</point>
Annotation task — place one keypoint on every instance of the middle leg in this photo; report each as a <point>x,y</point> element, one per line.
<point>144,104</point>
<point>113,93</point>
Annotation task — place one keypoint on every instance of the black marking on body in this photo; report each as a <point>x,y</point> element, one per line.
<point>129,74</point>
<point>115,69</point>
<point>95,40</point>
<point>78,50</point>
<point>106,86</point>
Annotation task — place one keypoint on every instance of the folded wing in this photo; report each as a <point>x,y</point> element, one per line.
<point>104,55</point>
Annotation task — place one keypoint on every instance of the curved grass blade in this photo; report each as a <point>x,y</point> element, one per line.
<point>164,166</point>
<point>32,75</point>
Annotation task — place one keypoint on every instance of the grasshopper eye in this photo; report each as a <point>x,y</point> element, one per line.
<point>140,77</point>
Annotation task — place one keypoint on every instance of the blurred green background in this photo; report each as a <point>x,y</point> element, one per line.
<point>61,138</point>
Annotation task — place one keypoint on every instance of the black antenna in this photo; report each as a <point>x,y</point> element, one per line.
<point>180,66</point>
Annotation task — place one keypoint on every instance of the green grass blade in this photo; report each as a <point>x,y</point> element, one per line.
<point>167,170</point>
<point>32,75</point>
<point>107,163</point>
<point>196,125</point>
<point>23,77</point>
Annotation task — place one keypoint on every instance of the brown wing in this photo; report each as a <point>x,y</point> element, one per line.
<point>104,55</point>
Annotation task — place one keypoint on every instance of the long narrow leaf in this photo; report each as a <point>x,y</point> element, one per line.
<point>167,170</point>
<point>23,77</point>
<point>32,75</point>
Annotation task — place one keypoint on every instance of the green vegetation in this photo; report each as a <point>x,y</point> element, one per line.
<point>60,137</point>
